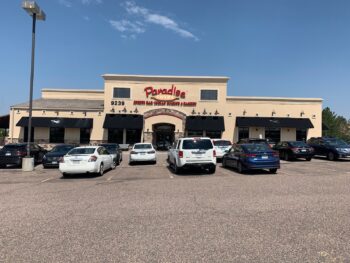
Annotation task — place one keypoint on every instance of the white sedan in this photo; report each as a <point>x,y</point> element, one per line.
<point>89,159</point>
<point>143,152</point>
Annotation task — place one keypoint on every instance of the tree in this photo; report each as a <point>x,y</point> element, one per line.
<point>337,126</point>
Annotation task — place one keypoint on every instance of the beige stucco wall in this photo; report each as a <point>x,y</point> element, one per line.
<point>41,134</point>
<point>228,107</point>
<point>71,135</point>
<point>288,134</point>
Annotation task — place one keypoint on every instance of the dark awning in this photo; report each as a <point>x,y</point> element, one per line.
<point>4,122</point>
<point>56,122</point>
<point>299,123</point>
<point>207,123</point>
<point>123,121</point>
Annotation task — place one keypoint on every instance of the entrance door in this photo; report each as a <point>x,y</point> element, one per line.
<point>163,135</point>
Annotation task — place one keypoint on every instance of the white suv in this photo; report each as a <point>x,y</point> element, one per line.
<point>221,147</point>
<point>192,152</point>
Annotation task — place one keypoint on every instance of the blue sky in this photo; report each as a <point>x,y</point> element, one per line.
<point>283,48</point>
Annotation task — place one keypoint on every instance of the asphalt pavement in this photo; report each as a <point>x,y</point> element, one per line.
<point>146,213</point>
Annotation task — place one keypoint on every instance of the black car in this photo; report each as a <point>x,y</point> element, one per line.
<point>114,148</point>
<point>51,159</point>
<point>12,154</point>
<point>289,150</point>
<point>162,145</point>
<point>332,148</point>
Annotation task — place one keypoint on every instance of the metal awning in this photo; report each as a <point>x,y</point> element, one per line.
<point>207,123</point>
<point>4,122</point>
<point>299,123</point>
<point>57,122</point>
<point>123,121</point>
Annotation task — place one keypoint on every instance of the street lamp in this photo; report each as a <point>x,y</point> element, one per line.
<point>33,10</point>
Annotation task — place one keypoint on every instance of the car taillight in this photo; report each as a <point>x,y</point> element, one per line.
<point>250,155</point>
<point>21,153</point>
<point>93,158</point>
<point>151,152</point>
<point>181,154</point>
<point>295,150</point>
<point>214,153</point>
<point>61,160</point>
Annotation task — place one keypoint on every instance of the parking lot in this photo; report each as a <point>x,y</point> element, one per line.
<point>146,213</point>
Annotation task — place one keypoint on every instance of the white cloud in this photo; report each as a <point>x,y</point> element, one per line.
<point>126,26</point>
<point>65,3</point>
<point>157,19</point>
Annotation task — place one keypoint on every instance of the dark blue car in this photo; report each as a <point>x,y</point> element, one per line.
<point>251,157</point>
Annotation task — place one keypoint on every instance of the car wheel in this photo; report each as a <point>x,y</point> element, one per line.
<point>273,171</point>
<point>155,162</point>
<point>177,170</point>
<point>65,175</point>
<point>240,168</point>
<point>2,165</point>
<point>308,159</point>
<point>286,157</point>
<point>101,171</point>
<point>212,169</point>
<point>224,163</point>
<point>114,165</point>
<point>331,156</point>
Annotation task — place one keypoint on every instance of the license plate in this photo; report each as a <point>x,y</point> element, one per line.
<point>303,150</point>
<point>8,154</point>
<point>54,162</point>
<point>76,161</point>
<point>142,153</point>
<point>264,157</point>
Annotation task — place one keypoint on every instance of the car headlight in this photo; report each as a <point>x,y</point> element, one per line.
<point>339,149</point>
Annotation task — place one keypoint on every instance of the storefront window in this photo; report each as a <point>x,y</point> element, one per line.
<point>121,93</point>
<point>133,136</point>
<point>115,135</point>
<point>56,135</point>
<point>85,136</point>
<point>209,94</point>
<point>273,134</point>
<point>25,137</point>
<point>213,134</point>
<point>194,133</point>
<point>243,133</point>
<point>301,135</point>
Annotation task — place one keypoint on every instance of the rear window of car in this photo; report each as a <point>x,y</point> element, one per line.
<point>78,151</point>
<point>258,147</point>
<point>336,142</point>
<point>222,143</point>
<point>110,148</point>
<point>143,146</point>
<point>298,144</point>
<point>197,144</point>
<point>65,148</point>
<point>14,147</point>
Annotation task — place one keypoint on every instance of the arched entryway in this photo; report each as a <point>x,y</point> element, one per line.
<point>163,135</point>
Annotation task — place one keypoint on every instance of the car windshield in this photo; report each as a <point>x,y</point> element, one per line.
<point>336,142</point>
<point>110,148</point>
<point>258,147</point>
<point>197,144</point>
<point>61,148</point>
<point>222,143</point>
<point>298,144</point>
<point>142,146</point>
<point>78,151</point>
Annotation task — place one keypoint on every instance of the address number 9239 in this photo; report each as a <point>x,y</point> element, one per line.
<point>118,103</point>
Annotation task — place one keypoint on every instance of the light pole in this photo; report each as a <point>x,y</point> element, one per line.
<point>33,10</point>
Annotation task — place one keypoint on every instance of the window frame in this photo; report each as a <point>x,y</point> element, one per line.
<point>217,95</point>
<point>121,98</point>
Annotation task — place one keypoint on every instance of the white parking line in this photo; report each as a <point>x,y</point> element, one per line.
<point>110,178</point>
<point>48,179</point>
<point>171,176</point>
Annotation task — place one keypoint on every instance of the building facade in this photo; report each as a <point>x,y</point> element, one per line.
<point>134,108</point>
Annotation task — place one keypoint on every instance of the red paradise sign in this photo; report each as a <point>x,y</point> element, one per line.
<point>171,94</point>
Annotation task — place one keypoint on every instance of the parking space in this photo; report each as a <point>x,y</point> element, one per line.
<point>145,212</point>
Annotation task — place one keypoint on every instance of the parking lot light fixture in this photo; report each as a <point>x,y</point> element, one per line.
<point>37,14</point>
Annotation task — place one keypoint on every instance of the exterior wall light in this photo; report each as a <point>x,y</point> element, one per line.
<point>302,113</point>
<point>273,112</point>
<point>193,112</point>
<point>216,112</point>
<point>204,112</point>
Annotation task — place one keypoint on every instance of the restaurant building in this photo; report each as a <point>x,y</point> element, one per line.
<point>137,108</point>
